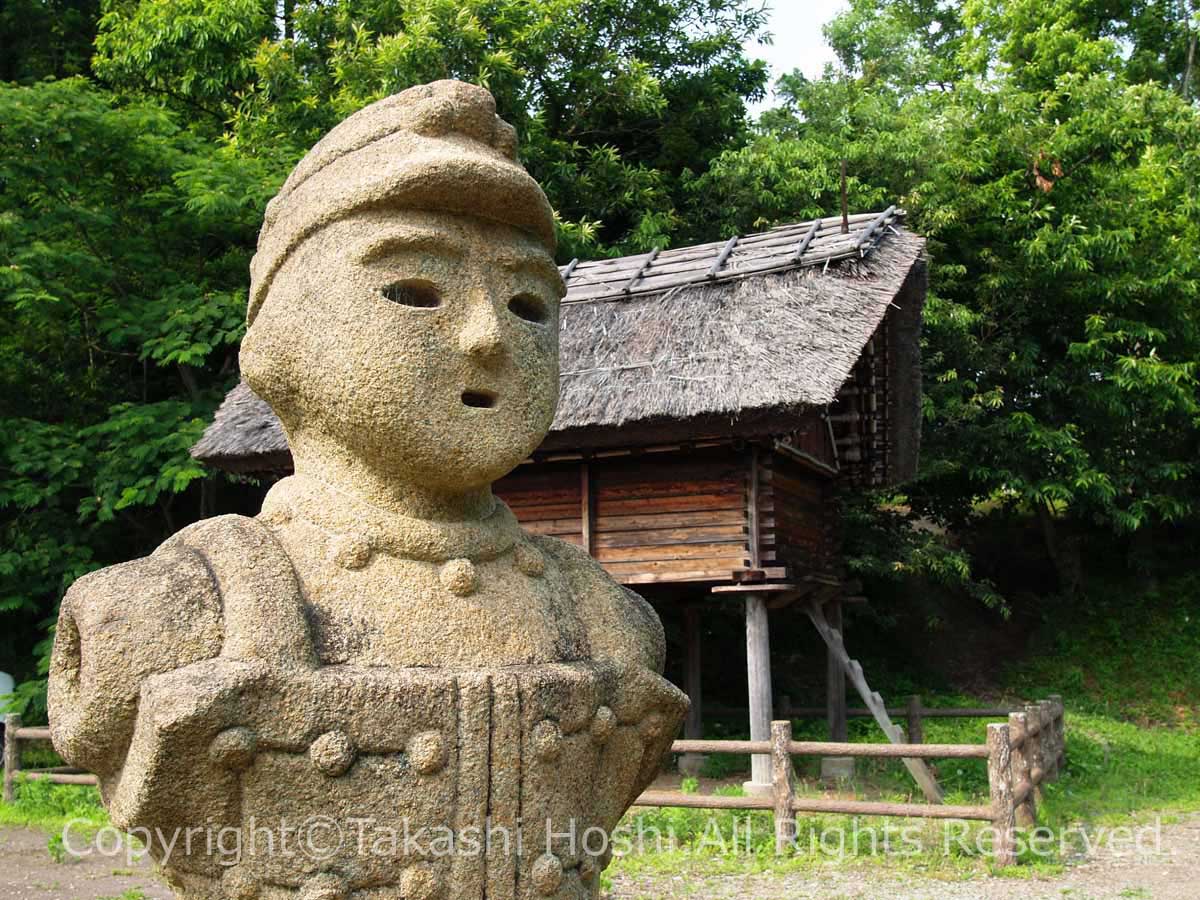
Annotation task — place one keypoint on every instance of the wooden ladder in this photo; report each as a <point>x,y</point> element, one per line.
<point>853,669</point>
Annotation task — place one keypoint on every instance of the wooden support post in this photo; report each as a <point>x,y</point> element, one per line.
<point>916,729</point>
<point>1022,778</point>
<point>835,679</point>
<point>1000,782</point>
<point>690,764</point>
<point>1035,748</point>
<point>693,728</point>
<point>783,789</point>
<point>874,702</point>
<point>758,676</point>
<point>12,756</point>
<point>587,514</point>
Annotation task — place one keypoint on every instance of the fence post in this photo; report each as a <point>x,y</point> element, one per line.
<point>1001,783</point>
<point>1036,749</point>
<point>916,729</point>
<point>1045,744</point>
<point>12,756</point>
<point>1021,743</point>
<point>782,788</point>
<point>1060,731</point>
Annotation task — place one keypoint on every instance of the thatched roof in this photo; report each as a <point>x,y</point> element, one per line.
<point>732,336</point>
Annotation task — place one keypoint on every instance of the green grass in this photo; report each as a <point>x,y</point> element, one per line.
<point>46,806</point>
<point>1128,667</point>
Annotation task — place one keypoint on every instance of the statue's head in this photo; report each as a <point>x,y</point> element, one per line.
<point>404,298</point>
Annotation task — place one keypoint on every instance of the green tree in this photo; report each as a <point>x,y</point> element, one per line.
<point>613,100</point>
<point>125,241</point>
<point>46,38</point>
<point>1059,194</point>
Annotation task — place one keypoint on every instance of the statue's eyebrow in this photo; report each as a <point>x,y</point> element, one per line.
<point>536,264</point>
<point>406,239</point>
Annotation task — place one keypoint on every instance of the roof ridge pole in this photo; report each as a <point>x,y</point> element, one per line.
<point>723,257</point>
<point>802,247</point>
<point>637,276</point>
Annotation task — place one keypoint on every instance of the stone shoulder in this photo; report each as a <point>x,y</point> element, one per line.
<point>123,624</point>
<point>620,624</point>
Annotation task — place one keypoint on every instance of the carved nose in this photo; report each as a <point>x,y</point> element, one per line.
<point>481,338</point>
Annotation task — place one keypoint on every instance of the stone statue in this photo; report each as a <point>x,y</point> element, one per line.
<point>382,651</point>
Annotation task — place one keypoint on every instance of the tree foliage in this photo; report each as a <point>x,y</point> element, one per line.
<point>1058,187</point>
<point>1048,151</point>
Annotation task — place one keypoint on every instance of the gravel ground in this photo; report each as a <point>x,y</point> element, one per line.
<point>1169,871</point>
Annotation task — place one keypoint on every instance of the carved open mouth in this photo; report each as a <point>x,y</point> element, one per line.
<point>479,399</point>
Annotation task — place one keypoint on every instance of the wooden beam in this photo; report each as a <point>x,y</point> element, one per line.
<point>637,276</point>
<point>853,669</point>
<point>835,680</point>
<point>587,513</point>
<point>723,257</point>
<point>758,677</point>
<point>692,677</point>
<point>752,515</point>
<point>802,247</point>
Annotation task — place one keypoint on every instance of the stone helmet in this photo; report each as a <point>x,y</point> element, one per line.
<point>417,149</point>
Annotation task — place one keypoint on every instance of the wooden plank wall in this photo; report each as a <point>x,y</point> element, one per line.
<point>797,505</point>
<point>652,517</point>
<point>546,498</point>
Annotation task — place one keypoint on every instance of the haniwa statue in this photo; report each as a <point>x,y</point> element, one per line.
<point>380,688</point>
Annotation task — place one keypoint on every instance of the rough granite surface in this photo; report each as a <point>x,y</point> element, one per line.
<point>380,688</point>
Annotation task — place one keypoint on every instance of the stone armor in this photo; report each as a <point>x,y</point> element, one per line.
<point>418,783</point>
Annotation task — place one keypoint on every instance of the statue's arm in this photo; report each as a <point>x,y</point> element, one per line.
<point>117,627</point>
<point>620,624</point>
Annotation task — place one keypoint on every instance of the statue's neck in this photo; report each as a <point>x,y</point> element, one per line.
<point>345,514</point>
<point>354,483</point>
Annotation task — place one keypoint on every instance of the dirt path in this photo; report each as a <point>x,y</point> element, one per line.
<point>1167,868</point>
<point>28,872</point>
<point>1168,871</point>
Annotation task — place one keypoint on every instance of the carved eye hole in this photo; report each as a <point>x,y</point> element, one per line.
<point>528,307</point>
<point>420,294</point>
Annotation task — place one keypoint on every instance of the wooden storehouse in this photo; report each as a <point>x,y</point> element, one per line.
<point>712,400</point>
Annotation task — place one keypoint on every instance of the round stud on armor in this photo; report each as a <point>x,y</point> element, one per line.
<point>547,740</point>
<point>529,560</point>
<point>459,577</point>
<point>234,748</point>
<point>239,885</point>
<point>547,874</point>
<point>332,753</point>
<point>603,724</point>
<point>419,883</point>
<point>351,553</point>
<point>427,751</point>
<point>326,886</point>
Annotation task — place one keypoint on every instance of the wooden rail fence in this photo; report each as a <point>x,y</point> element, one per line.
<point>14,733</point>
<point>914,712</point>
<point>1022,754</point>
